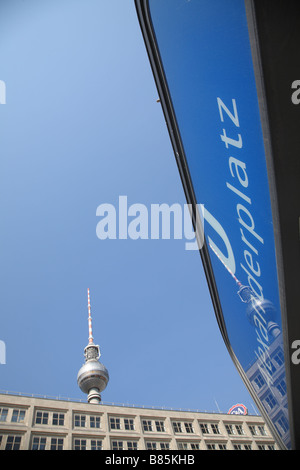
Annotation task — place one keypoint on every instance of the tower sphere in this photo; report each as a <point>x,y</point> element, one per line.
<point>92,374</point>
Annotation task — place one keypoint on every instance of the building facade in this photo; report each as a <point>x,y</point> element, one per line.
<point>28,423</point>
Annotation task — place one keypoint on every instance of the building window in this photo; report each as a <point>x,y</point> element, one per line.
<point>266,446</point>
<point>282,425</point>
<point>80,421</point>
<point>237,446</point>
<point>56,443</point>
<point>177,426</point>
<point>239,429</point>
<point>13,443</point>
<point>234,429</point>
<point>188,446</point>
<point>117,445</point>
<point>215,446</point>
<point>38,443</point>
<point>164,446</point>
<point>253,429</point>
<point>279,358</point>
<point>259,381</point>
<point>160,426</point>
<point>114,423</point>
<point>261,446</point>
<point>129,424</point>
<point>195,446</point>
<point>262,430</point>
<point>281,387</point>
<point>124,445</point>
<point>204,428</point>
<point>3,414</point>
<point>95,422</point>
<point>96,444</point>
<point>189,428</point>
<point>87,444</point>
<point>41,417</point>
<point>229,428</point>
<point>58,419</point>
<point>211,446</point>
<point>222,446</point>
<point>151,445</point>
<point>182,445</point>
<point>121,423</point>
<point>18,416</point>
<point>215,428</point>
<point>240,446</point>
<point>79,444</point>
<point>132,445</point>
<point>207,428</point>
<point>147,425</point>
<point>270,400</point>
<point>157,445</point>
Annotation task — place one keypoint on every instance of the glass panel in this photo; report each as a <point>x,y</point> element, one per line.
<point>205,51</point>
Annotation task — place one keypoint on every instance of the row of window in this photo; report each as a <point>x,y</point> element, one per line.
<point>279,361</point>
<point>13,442</point>
<point>274,399</point>
<point>50,418</point>
<point>152,425</point>
<point>280,385</point>
<point>270,400</point>
<point>128,424</point>
<point>18,415</point>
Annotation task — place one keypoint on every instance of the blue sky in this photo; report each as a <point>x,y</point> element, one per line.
<point>80,127</point>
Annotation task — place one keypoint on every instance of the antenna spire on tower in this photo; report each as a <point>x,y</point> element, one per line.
<point>91,339</point>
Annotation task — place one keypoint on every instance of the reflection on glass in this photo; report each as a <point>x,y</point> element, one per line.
<point>266,373</point>
<point>206,56</point>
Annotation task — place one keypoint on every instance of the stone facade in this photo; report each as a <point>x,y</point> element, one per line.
<point>39,423</point>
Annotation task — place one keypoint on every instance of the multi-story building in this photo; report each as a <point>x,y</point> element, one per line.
<point>39,423</point>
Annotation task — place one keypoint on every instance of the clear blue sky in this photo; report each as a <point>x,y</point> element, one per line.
<point>81,126</point>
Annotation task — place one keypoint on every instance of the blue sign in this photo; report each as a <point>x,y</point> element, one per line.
<point>206,57</point>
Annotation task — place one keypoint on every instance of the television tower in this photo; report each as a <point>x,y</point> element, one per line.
<point>93,376</point>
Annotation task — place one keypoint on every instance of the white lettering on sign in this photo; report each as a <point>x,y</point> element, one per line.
<point>250,235</point>
<point>234,117</point>
<point>296,94</point>
<point>227,258</point>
